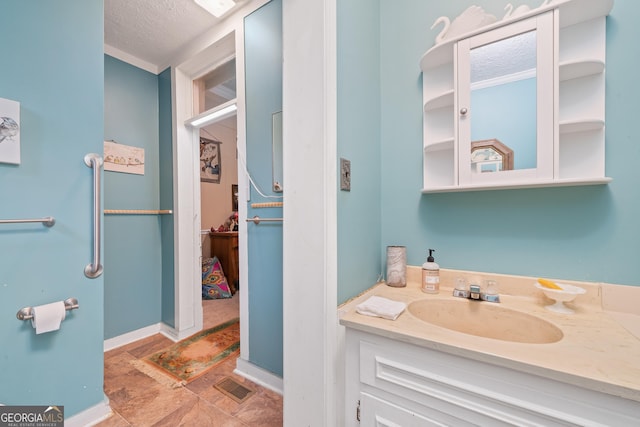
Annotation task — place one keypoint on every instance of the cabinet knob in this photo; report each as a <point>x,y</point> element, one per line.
<point>463,111</point>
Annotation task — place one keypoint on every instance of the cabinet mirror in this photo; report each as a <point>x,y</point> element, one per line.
<point>503,98</point>
<point>505,94</point>
<point>531,85</point>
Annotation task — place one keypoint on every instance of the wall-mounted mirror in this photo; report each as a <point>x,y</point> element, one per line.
<point>505,93</point>
<point>503,97</point>
<point>276,152</point>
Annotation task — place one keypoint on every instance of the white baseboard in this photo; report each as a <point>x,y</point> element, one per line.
<point>147,331</point>
<point>91,416</point>
<point>175,335</point>
<point>259,376</point>
<point>132,336</point>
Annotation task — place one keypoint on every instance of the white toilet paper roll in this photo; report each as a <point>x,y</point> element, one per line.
<point>47,317</point>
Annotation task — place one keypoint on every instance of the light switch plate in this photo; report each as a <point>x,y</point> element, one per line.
<point>345,174</point>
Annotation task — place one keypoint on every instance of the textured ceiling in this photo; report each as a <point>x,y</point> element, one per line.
<point>154,30</point>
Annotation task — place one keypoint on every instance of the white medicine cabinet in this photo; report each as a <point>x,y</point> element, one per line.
<point>519,102</point>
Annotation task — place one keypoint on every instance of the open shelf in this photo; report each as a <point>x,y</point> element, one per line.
<point>445,144</point>
<point>583,125</point>
<point>576,69</point>
<point>443,100</point>
<point>538,184</point>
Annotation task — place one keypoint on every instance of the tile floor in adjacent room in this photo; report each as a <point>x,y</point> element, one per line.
<point>154,399</point>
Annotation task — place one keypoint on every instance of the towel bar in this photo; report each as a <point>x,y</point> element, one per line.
<point>138,211</point>
<point>257,220</point>
<point>48,221</point>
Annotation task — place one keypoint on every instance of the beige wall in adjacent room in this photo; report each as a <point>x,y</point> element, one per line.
<point>215,198</point>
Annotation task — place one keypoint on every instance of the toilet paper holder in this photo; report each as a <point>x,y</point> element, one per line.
<point>26,313</point>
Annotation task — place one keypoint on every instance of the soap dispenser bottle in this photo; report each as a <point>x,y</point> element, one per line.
<point>430,275</point>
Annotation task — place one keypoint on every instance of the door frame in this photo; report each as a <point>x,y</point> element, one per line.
<point>311,379</point>
<point>313,339</point>
<point>186,185</point>
<point>195,61</point>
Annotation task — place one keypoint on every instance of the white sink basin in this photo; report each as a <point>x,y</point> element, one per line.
<point>484,319</point>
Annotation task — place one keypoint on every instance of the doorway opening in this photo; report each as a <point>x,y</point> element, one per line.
<point>213,93</point>
<point>205,182</point>
<point>215,120</point>
<point>261,330</point>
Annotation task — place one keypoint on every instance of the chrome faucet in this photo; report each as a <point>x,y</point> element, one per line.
<point>475,293</point>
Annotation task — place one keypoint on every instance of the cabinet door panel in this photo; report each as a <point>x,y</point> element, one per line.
<point>505,93</point>
<point>381,413</point>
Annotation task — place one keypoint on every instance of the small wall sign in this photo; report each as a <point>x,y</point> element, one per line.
<point>123,158</point>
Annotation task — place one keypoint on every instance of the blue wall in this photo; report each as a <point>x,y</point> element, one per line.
<point>263,78</point>
<point>53,65</point>
<point>133,243</point>
<point>359,127</point>
<point>582,233</point>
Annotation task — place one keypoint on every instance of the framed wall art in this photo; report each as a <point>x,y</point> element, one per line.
<point>9,131</point>
<point>210,161</point>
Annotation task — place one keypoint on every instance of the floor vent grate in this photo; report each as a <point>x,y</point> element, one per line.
<point>234,389</point>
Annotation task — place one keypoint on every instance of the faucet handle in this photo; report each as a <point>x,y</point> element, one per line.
<point>461,288</point>
<point>491,298</point>
<point>491,292</point>
<point>461,293</point>
<point>491,287</point>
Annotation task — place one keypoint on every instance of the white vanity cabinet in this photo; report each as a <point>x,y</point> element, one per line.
<point>568,115</point>
<point>394,383</point>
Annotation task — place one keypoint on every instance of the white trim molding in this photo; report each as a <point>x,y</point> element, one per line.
<point>258,375</point>
<point>130,59</point>
<point>309,139</point>
<point>129,337</point>
<point>91,416</point>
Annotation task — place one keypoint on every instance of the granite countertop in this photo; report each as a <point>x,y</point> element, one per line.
<point>600,348</point>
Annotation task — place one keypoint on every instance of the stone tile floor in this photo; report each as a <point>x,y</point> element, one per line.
<point>142,397</point>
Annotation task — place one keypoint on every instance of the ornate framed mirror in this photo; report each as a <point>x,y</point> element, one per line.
<point>490,155</point>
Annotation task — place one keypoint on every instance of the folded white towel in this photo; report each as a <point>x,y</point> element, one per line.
<point>381,307</point>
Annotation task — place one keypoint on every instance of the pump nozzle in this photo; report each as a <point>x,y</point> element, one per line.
<point>430,257</point>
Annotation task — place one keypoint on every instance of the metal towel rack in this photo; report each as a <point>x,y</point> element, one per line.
<point>94,269</point>
<point>257,220</point>
<point>26,313</point>
<point>47,221</point>
<point>138,212</point>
